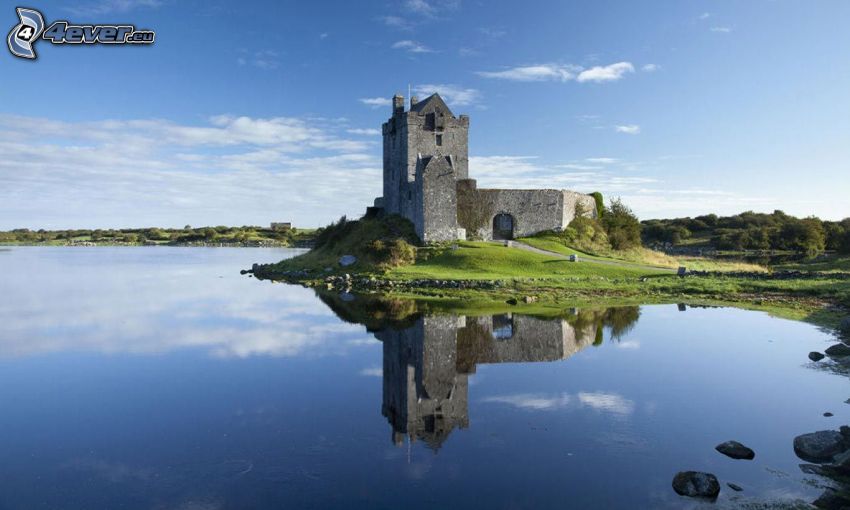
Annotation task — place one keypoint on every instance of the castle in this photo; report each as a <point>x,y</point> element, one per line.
<point>426,180</point>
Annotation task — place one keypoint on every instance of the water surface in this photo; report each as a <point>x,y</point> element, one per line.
<point>160,378</point>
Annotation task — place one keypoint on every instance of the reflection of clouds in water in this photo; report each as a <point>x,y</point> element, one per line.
<point>609,402</point>
<point>599,401</point>
<point>115,301</point>
<point>532,401</point>
<point>628,344</point>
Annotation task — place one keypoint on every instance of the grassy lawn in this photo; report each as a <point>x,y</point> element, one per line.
<point>643,256</point>
<point>830,264</point>
<point>480,260</point>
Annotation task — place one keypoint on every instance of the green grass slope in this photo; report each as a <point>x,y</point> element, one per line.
<point>482,260</point>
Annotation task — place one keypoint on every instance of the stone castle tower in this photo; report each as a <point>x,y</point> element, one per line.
<point>426,180</point>
<point>426,150</point>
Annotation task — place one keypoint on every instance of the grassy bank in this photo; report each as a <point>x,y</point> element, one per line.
<point>488,275</point>
<point>186,236</point>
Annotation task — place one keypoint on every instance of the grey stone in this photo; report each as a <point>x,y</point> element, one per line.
<point>696,484</point>
<point>832,500</point>
<point>682,271</point>
<point>816,356</point>
<point>838,351</point>
<point>819,447</point>
<point>735,450</point>
<point>828,414</point>
<point>845,325</point>
<point>347,260</point>
<point>735,487</point>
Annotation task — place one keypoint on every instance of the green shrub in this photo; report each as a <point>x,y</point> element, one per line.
<point>622,226</point>
<point>600,204</point>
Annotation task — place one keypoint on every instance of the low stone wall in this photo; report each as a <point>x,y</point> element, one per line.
<point>532,210</point>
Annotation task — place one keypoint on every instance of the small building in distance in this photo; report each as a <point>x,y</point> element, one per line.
<point>284,225</point>
<point>426,180</point>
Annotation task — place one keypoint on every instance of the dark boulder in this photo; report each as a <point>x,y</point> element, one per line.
<point>816,356</point>
<point>696,484</point>
<point>735,450</point>
<point>819,447</point>
<point>838,351</point>
<point>832,500</point>
<point>735,487</point>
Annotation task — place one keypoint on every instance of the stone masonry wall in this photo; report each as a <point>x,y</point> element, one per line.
<point>533,211</point>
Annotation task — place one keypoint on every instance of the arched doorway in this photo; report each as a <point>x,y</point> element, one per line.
<point>503,226</point>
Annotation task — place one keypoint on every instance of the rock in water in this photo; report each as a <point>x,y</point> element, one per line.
<point>819,447</point>
<point>838,351</point>
<point>735,487</point>
<point>831,500</point>
<point>815,356</point>
<point>347,260</point>
<point>696,484</point>
<point>735,450</point>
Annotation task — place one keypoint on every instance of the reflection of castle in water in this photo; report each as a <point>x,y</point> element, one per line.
<point>427,365</point>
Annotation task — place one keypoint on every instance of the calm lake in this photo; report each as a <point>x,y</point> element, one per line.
<point>159,378</point>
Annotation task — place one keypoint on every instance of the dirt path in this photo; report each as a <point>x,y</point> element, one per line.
<point>528,247</point>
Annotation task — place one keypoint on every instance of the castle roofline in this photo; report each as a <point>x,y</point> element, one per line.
<point>431,103</point>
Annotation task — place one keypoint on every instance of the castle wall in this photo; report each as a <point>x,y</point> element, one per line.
<point>423,141</point>
<point>438,193</point>
<point>532,210</point>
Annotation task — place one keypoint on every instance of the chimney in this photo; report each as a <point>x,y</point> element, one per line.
<point>398,104</point>
<point>413,101</point>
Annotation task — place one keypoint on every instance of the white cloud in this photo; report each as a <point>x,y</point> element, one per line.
<point>110,7</point>
<point>411,47</point>
<point>602,161</point>
<point>629,129</point>
<point>541,72</point>
<point>650,68</point>
<point>376,102</point>
<point>705,15</point>
<point>364,131</point>
<point>372,372</point>
<point>230,170</point>
<point>263,59</point>
<point>723,30</point>
<point>562,73</point>
<point>611,72</point>
<point>396,22</point>
<point>420,7</point>
<point>454,95</point>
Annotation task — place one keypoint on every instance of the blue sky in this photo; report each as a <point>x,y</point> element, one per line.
<point>257,111</point>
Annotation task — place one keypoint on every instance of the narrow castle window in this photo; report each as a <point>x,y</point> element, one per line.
<point>439,140</point>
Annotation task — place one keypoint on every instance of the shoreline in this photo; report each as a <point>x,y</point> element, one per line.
<point>519,294</point>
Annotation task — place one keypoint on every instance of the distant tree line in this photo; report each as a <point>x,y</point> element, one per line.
<point>752,231</point>
<point>154,235</point>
